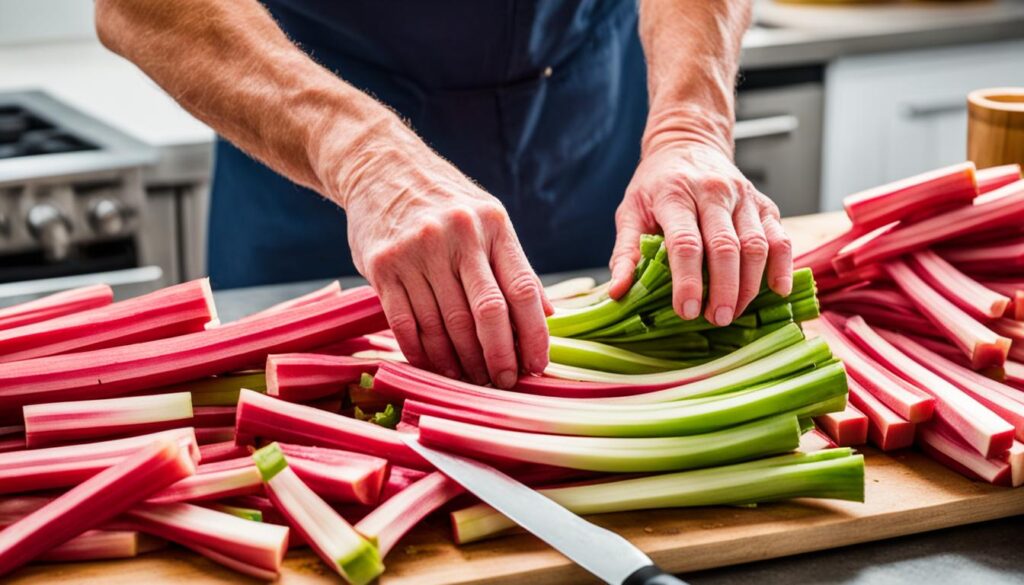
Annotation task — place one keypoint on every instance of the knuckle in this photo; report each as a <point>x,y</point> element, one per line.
<point>430,230</point>
<point>723,244</point>
<point>402,324</point>
<point>754,245</point>
<point>431,325</point>
<point>381,261</point>
<point>522,288</point>
<point>492,215</point>
<point>461,218</point>
<point>782,245</point>
<point>490,306</point>
<point>459,322</point>
<point>683,243</point>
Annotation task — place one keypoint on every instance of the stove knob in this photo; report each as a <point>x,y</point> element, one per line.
<point>107,216</point>
<point>53,230</point>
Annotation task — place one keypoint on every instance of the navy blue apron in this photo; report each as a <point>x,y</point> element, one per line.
<point>541,102</point>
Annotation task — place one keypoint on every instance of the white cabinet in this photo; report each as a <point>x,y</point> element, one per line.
<point>892,115</point>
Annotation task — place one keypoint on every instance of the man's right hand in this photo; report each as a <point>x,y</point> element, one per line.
<point>456,287</point>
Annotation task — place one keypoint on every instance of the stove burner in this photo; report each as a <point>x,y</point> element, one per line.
<point>24,133</point>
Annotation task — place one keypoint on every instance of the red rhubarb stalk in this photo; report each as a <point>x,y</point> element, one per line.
<point>56,467</point>
<point>905,399</point>
<point>993,258</point>
<point>212,481</point>
<point>119,371</point>
<point>176,310</point>
<point>270,418</point>
<point>214,452</point>
<point>1005,207</point>
<point>895,319</point>
<point>1015,457</point>
<point>299,377</point>
<point>331,291</point>
<point>93,502</point>
<point>886,429</point>
<point>1014,372</point>
<point>982,345</point>
<point>965,292</point>
<point>390,521</point>
<point>56,305</point>
<point>256,544</point>
<point>917,196</point>
<point>993,178</point>
<point>846,428</point>
<point>213,416</point>
<point>883,297</point>
<point>945,446</point>
<point>980,428</point>
<point>84,420</point>
<point>819,258</point>
<point>210,435</point>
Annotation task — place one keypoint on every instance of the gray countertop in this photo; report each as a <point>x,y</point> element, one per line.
<point>989,553</point>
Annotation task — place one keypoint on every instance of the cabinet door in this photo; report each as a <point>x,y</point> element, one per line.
<point>891,115</point>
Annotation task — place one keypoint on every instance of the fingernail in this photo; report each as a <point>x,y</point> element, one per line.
<point>784,285</point>
<point>723,316</point>
<point>507,379</point>
<point>691,309</point>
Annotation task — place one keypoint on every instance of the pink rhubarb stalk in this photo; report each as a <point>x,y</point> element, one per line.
<point>1015,458</point>
<point>983,346</point>
<point>84,420</point>
<point>993,178</point>
<point>214,452</point>
<point>815,440</point>
<point>847,428</point>
<point>57,467</point>
<point>965,292</point>
<point>247,543</point>
<point>913,197</point>
<point>56,305</point>
<point>886,429</point>
<point>299,377</point>
<point>119,371</point>
<point>176,310</point>
<point>980,428</point>
<point>905,399</point>
<point>819,258</point>
<point>896,319</point>
<point>883,297</point>
<point>211,435</point>
<point>1004,207</point>
<point>993,258</point>
<point>270,418</point>
<point>945,446</point>
<point>93,502</point>
<point>339,476</point>
<point>390,521</point>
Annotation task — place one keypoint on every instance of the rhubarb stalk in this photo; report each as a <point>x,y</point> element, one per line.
<point>56,305</point>
<point>68,422</point>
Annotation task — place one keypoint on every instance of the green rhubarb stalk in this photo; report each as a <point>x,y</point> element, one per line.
<point>740,336</point>
<point>244,513</point>
<point>632,325</point>
<point>775,313</point>
<point>606,358</point>
<point>806,309</point>
<point>830,473</point>
<point>694,343</point>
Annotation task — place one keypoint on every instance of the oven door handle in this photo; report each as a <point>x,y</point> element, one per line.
<point>43,286</point>
<point>765,127</point>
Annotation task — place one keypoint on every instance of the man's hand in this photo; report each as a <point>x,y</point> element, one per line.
<point>694,194</point>
<point>442,254</point>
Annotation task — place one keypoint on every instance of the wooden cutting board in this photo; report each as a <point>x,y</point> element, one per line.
<point>906,493</point>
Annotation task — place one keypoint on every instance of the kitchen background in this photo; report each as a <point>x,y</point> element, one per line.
<point>101,172</point>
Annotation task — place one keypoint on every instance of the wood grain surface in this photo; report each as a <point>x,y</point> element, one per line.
<point>906,493</point>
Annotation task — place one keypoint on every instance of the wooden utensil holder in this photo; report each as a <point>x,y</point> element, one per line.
<point>995,126</point>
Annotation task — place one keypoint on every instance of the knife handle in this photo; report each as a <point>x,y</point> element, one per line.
<point>652,575</point>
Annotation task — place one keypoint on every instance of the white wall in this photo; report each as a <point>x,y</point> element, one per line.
<point>34,21</point>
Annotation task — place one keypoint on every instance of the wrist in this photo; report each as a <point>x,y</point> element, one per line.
<point>686,126</point>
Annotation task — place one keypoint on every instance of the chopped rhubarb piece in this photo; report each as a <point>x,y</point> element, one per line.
<point>993,258</point>
<point>68,422</point>
<point>917,196</point>
<point>386,525</point>
<point>894,319</point>
<point>819,258</point>
<point>905,399</point>
<point>982,345</point>
<point>331,291</point>
<point>121,370</point>
<point>270,418</point>
<point>256,544</point>
<point>815,440</point>
<point>353,345</point>
<point>1004,401</point>
<point>213,416</point>
<point>235,564</point>
<point>88,546</point>
<point>210,435</point>
<point>176,310</point>
<point>846,428</point>
<point>220,390</point>
<point>12,443</point>
<point>56,467</point>
<point>980,428</point>
<point>886,429</point>
<point>884,297</point>
<point>843,262</point>
<point>1015,457</point>
<point>212,481</point>
<point>1014,372</point>
<point>339,476</point>
<point>93,502</point>
<point>1005,207</point>
<point>831,281</point>
<point>56,305</point>
<point>299,377</point>
<point>993,178</point>
<point>214,452</point>
<point>945,446</point>
<point>965,292</point>
<point>330,536</point>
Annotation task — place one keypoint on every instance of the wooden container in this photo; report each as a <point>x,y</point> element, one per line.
<point>995,126</point>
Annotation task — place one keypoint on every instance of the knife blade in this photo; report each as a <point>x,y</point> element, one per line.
<point>604,553</point>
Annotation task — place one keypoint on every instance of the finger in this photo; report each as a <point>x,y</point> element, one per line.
<point>524,293</point>
<point>723,259</point>
<point>432,331</point>
<point>458,321</point>
<point>678,219</point>
<point>401,320</point>
<point>625,254</point>
<point>490,313</point>
<point>753,253</point>
<point>780,252</point>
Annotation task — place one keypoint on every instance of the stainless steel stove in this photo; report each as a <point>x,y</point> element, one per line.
<point>71,191</point>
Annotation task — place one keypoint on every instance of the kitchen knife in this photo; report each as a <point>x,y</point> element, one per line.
<point>602,552</point>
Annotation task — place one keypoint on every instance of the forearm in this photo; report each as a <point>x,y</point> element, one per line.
<point>230,65</point>
<point>692,49</point>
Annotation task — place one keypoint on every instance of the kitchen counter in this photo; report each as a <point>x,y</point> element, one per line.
<point>90,78</point>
